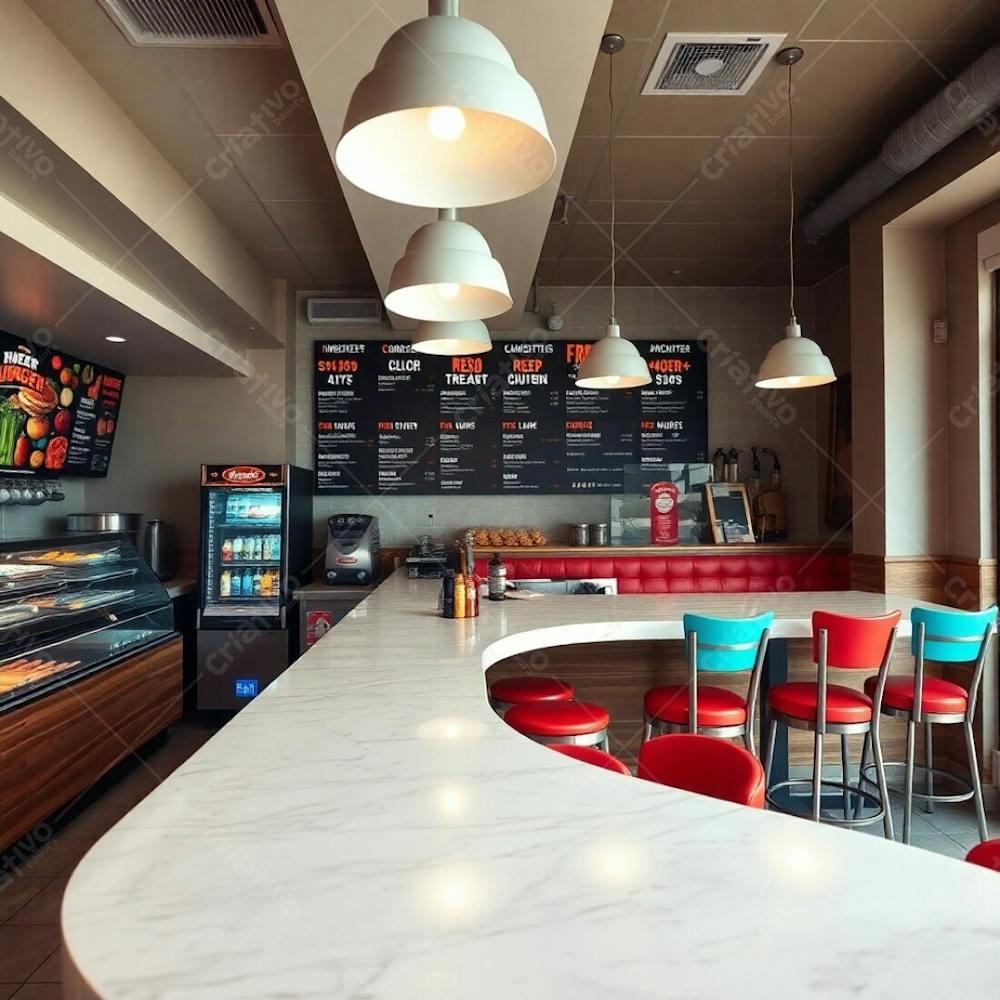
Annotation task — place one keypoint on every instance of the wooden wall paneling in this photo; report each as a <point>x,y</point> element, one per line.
<point>57,746</point>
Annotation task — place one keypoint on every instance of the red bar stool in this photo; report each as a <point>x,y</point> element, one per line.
<point>591,755</point>
<point>579,723</point>
<point>511,691</point>
<point>716,645</point>
<point>986,854</point>
<point>705,765</point>
<point>957,637</point>
<point>846,643</point>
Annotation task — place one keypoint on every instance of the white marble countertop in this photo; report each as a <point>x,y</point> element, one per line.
<point>368,828</point>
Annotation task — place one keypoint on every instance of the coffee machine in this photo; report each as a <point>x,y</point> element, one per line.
<point>352,549</point>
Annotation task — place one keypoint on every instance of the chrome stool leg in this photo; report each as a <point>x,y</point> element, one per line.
<point>862,776</point>
<point>929,762</point>
<point>817,782</point>
<point>911,729</point>
<point>845,768</point>
<point>883,787</point>
<point>977,785</point>
<point>772,733</point>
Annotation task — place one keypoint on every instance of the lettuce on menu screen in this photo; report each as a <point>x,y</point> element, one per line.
<point>57,413</point>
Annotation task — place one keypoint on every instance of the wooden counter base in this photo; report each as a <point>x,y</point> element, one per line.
<point>58,746</point>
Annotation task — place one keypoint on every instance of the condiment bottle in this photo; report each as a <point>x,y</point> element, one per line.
<point>448,594</point>
<point>497,578</point>
<point>471,596</point>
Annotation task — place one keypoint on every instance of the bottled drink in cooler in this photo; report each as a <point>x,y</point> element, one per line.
<point>275,547</point>
<point>227,551</point>
<point>265,551</point>
<point>224,584</point>
<point>258,581</point>
<point>238,547</point>
<point>247,583</point>
<point>266,584</point>
<point>235,584</point>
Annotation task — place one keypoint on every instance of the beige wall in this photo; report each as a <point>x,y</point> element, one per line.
<point>916,393</point>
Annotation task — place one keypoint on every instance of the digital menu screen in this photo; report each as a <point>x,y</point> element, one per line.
<point>58,414</point>
<point>390,420</point>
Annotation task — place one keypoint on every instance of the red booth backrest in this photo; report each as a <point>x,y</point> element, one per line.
<point>696,574</point>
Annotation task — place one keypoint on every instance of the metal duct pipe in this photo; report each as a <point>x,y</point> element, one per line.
<point>969,97</point>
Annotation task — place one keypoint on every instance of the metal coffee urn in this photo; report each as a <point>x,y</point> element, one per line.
<point>158,548</point>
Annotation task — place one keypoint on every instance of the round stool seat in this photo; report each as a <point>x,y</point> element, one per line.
<point>716,706</point>
<point>518,690</point>
<point>938,696</point>
<point>591,755</point>
<point>558,718</point>
<point>986,854</point>
<point>798,699</point>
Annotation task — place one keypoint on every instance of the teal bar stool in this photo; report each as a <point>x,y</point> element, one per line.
<point>718,645</point>
<point>960,637</point>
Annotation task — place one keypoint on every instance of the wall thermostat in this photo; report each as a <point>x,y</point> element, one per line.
<point>940,331</point>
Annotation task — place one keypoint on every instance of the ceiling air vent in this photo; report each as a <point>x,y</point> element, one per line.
<point>195,23</point>
<point>336,312</point>
<point>710,64</point>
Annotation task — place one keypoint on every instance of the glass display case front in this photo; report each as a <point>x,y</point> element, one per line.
<point>72,605</point>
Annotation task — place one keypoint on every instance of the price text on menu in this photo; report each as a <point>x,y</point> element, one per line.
<point>58,414</point>
<point>390,420</point>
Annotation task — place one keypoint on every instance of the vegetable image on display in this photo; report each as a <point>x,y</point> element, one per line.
<point>12,419</point>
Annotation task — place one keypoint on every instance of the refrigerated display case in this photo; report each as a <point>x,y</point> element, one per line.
<point>256,549</point>
<point>91,668</point>
<point>73,605</point>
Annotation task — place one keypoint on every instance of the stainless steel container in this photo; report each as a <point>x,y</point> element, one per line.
<point>581,534</point>
<point>600,534</point>
<point>158,548</point>
<point>106,523</point>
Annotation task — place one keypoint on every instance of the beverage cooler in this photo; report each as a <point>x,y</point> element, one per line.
<point>256,549</point>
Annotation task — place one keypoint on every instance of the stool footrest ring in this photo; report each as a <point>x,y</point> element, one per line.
<point>831,821</point>
<point>938,772</point>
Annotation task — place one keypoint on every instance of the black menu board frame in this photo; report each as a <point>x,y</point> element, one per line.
<point>58,413</point>
<point>391,421</point>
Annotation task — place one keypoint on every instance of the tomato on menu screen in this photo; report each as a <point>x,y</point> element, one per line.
<point>58,414</point>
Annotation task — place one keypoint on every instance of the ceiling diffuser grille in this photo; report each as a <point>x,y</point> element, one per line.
<point>716,64</point>
<point>195,23</point>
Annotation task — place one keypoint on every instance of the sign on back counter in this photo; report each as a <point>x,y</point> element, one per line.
<point>390,420</point>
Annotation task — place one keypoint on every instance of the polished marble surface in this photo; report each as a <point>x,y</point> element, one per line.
<point>368,828</point>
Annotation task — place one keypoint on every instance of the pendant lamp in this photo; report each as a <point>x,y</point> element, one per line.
<point>448,274</point>
<point>451,339</point>
<point>613,362</point>
<point>796,362</point>
<point>444,118</point>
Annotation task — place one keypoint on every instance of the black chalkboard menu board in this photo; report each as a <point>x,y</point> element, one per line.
<point>393,421</point>
<point>58,413</point>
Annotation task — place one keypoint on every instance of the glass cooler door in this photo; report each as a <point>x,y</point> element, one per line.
<point>243,552</point>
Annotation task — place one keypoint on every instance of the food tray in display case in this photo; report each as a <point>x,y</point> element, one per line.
<point>71,606</point>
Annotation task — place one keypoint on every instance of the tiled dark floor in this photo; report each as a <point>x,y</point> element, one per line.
<point>32,885</point>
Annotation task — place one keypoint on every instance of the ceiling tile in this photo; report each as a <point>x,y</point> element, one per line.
<point>636,18</point>
<point>716,241</point>
<point>913,20</point>
<point>249,223</point>
<point>285,264</point>
<point>280,167</point>
<point>244,89</point>
<point>315,223</point>
<point>628,63</point>
<point>740,16</point>
<point>205,164</point>
<point>79,23</point>
<point>159,106</point>
<point>337,265</point>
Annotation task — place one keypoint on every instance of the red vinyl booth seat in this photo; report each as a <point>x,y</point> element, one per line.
<point>696,574</point>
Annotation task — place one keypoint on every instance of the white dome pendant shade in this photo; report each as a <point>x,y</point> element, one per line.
<point>448,274</point>
<point>444,118</point>
<point>452,339</point>
<point>796,362</point>
<point>613,363</point>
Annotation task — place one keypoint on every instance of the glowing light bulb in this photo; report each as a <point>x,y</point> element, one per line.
<point>448,290</point>
<point>612,380</point>
<point>446,124</point>
<point>793,379</point>
<point>449,345</point>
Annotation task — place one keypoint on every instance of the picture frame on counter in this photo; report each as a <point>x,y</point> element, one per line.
<point>729,513</point>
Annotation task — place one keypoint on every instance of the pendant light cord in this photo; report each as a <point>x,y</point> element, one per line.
<point>791,201</point>
<point>611,159</point>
